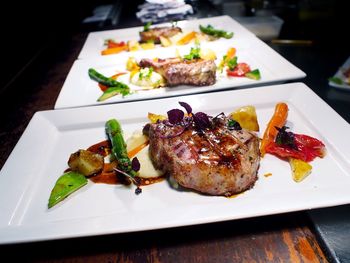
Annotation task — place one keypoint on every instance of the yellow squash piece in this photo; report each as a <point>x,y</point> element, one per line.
<point>146,46</point>
<point>155,117</point>
<point>207,54</point>
<point>246,117</point>
<point>300,169</point>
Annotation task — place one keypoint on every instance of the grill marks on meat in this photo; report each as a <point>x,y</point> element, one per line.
<point>154,33</point>
<point>218,161</point>
<point>186,72</point>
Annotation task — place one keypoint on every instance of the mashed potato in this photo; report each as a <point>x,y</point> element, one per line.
<point>147,78</point>
<point>147,169</point>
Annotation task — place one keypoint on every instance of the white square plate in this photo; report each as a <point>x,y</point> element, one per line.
<point>94,43</point>
<point>41,155</point>
<point>79,90</point>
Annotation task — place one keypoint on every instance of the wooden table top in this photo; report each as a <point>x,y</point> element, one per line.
<point>279,238</point>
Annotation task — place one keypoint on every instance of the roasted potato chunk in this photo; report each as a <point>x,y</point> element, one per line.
<point>86,162</point>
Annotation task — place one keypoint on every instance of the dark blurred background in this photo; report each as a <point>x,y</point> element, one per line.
<point>30,27</point>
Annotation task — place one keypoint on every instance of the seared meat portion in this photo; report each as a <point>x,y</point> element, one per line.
<point>153,34</point>
<point>187,72</point>
<point>214,161</point>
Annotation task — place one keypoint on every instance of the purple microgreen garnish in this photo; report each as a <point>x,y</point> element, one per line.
<point>201,120</point>
<point>127,175</point>
<point>145,130</point>
<point>285,138</point>
<point>186,106</point>
<point>175,116</point>
<point>135,164</point>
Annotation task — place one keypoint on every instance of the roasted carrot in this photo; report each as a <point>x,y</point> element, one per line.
<point>231,53</point>
<point>137,149</point>
<point>114,50</point>
<point>278,119</point>
<point>187,38</point>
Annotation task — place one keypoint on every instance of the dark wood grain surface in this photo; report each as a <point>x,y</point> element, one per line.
<point>279,238</point>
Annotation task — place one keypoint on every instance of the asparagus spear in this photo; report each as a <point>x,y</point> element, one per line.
<point>115,135</point>
<point>210,30</point>
<point>115,87</point>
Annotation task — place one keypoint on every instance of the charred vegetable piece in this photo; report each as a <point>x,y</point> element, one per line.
<point>65,185</point>
<point>210,30</point>
<point>254,74</point>
<point>86,162</point>
<point>246,117</point>
<point>298,146</point>
<point>119,151</point>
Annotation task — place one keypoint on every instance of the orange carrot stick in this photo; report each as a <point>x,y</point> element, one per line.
<point>114,50</point>
<point>278,119</point>
<point>137,149</point>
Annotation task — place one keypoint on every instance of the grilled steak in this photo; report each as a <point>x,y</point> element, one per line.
<point>176,71</point>
<point>214,161</point>
<point>153,34</point>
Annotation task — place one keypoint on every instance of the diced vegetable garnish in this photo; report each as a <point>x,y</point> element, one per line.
<point>278,119</point>
<point>254,74</point>
<point>300,169</point>
<point>210,30</point>
<point>65,185</point>
<point>246,117</point>
<point>240,70</point>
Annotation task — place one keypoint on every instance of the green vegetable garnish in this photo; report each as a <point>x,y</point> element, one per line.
<point>119,152</point>
<point>210,30</point>
<point>336,80</point>
<point>65,185</point>
<point>232,63</point>
<point>113,91</point>
<point>115,87</point>
<point>254,74</point>
<point>147,26</point>
<point>194,53</point>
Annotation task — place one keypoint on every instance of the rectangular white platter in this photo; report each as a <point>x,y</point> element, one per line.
<point>79,90</point>
<point>41,156</point>
<point>94,43</point>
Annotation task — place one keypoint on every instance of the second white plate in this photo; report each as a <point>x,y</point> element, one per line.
<point>79,90</point>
